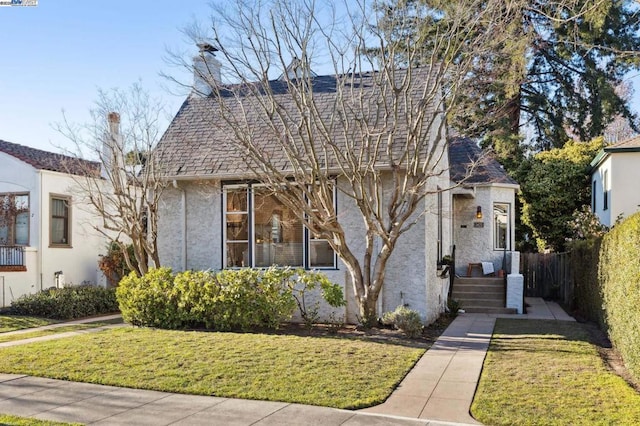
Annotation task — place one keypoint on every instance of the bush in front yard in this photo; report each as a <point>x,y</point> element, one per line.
<point>225,300</point>
<point>67,303</point>
<point>619,275</point>
<point>150,300</point>
<point>406,320</point>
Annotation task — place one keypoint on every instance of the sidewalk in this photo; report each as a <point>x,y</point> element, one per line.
<point>438,391</point>
<point>442,384</point>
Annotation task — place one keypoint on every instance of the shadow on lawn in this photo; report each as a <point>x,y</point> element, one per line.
<point>519,335</point>
<point>378,334</point>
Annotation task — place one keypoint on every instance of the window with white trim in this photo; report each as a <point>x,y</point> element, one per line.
<point>260,231</point>
<point>501,226</point>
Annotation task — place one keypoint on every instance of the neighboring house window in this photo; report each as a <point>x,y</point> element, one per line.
<point>605,192</point>
<point>260,231</point>
<point>501,229</point>
<point>594,197</point>
<point>14,219</point>
<point>60,221</point>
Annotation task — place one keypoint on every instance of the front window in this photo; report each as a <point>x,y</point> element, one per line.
<point>60,221</point>
<point>277,232</point>
<point>260,231</point>
<point>14,219</point>
<point>501,231</point>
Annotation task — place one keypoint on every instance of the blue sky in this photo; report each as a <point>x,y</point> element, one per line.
<point>57,55</point>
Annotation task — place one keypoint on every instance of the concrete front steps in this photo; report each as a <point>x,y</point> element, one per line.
<point>481,295</point>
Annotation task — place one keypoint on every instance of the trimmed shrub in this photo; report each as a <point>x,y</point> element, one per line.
<point>587,291</point>
<point>619,275</point>
<point>67,303</point>
<point>225,300</point>
<point>406,320</point>
<point>150,300</point>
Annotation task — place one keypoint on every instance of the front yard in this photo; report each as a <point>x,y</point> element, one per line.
<point>17,322</point>
<point>548,373</point>
<point>328,371</point>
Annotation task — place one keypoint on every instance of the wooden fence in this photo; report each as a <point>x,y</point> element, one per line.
<point>547,275</point>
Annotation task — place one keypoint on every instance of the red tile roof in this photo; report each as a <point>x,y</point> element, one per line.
<point>44,160</point>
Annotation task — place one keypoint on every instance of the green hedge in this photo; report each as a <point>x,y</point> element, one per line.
<point>619,275</point>
<point>587,289</point>
<point>225,300</point>
<point>67,303</point>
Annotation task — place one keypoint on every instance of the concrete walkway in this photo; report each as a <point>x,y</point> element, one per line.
<point>438,391</point>
<point>442,384</point>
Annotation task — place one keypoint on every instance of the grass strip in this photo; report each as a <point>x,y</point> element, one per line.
<point>9,420</point>
<point>333,372</point>
<point>17,322</point>
<point>548,373</point>
<point>57,330</point>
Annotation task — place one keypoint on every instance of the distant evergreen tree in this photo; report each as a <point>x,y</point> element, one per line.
<point>556,76</point>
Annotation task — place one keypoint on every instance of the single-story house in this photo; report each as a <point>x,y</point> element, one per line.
<point>614,176</point>
<point>45,235</point>
<point>214,214</point>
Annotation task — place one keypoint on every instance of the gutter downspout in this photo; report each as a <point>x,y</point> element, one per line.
<point>183,200</point>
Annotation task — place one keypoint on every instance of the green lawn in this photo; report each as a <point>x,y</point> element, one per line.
<point>15,322</point>
<point>6,420</point>
<point>547,373</point>
<point>57,330</point>
<point>334,372</point>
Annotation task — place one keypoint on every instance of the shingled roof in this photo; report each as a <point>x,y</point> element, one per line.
<point>44,160</point>
<point>198,142</point>
<point>463,153</point>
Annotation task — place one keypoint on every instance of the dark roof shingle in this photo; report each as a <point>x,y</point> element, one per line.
<point>463,153</point>
<point>197,142</point>
<point>44,160</point>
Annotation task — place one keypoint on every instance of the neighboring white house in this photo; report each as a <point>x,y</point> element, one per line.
<point>215,216</point>
<point>45,235</point>
<point>615,173</point>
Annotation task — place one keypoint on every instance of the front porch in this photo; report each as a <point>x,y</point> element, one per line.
<point>481,295</point>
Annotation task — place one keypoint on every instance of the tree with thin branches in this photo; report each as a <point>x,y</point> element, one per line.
<point>122,135</point>
<point>381,139</point>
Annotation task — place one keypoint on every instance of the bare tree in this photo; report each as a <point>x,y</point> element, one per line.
<point>382,139</point>
<point>620,129</point>
<point>124,192</point>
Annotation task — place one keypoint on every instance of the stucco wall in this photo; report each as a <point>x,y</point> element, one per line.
<point>624,196</point>
<point>17,176</point>
<point>476,244</point>
<point>79,262</point>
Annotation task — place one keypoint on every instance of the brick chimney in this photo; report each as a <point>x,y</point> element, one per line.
<point>206,70</point>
